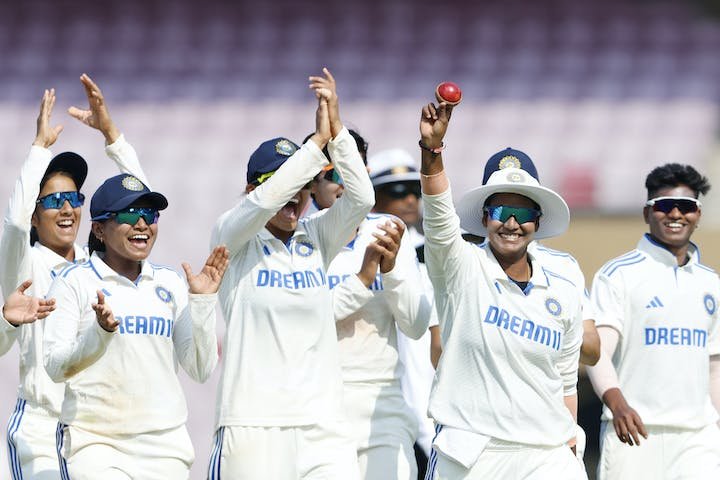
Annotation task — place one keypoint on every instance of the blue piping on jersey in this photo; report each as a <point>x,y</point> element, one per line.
<point>549,274</point>
<point>705,267</point>
<point>266,250</point>
<point>94,270</point>
<point>498,287</point>
<point>628,257</point>
<point>556,253</point>
<point>70,268</point>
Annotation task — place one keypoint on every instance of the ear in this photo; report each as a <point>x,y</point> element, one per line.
<point>485,219</point>
<point>249,188</point>
<point>537,224</point>
<point>98,229</point>
<point>34,219</point>
<point>646,214</point>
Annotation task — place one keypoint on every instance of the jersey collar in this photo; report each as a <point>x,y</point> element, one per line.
<point>104,272</point>
<point>538,278</point>
<point>663,255</point>
<point>56,262</point>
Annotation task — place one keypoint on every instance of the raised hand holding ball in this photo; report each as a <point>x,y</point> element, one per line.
<point>448,92</point>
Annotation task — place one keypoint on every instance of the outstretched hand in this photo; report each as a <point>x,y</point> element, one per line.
<point>326,87</point>
<point>209,278</point>
<point>433,123</point>
<point>97,115</point>
<point>323,132</point>
<point>46,135</point>
<point>103,314</point>
<point>20,308</point>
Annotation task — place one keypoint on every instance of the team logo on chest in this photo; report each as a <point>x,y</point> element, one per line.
<point>163,294</point>
<point>710,304</point>
<point>553,306</point>
<point>304,249</point>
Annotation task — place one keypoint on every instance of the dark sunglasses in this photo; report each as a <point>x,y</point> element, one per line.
<point>400,190</point>
<point>332,175</point>
<point>131,216</point>
<point>265,176</point>
<point>57,200</point>
<point>502,213</point>
<point>667,204</point>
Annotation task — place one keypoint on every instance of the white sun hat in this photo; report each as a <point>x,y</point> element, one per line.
<point>513,179</point>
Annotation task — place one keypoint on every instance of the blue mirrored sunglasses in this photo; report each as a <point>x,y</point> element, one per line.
<point>57,200</point>
<point>332,175</point>
<point>131,216</point>
<point>667,204</point>
<point>502,213</point>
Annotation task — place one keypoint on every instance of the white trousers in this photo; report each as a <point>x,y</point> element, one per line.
<point>508,461</point>
<point>383,429</point>
<point>667,454</point>
<point>31,443</point>
<point>162,455</point>
<point>314,452</point>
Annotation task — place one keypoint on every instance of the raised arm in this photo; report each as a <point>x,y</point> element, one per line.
<point>342,219</point>
<point>15,261</point>
<point>195,337</point>
<point>97,116</point>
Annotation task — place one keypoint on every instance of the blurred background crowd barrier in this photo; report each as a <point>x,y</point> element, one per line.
<point>598,92</point>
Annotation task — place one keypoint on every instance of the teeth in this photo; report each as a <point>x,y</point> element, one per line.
<point>65,223</point>
<point>674,225</point>
<point>139,237</point>
<point>510,236</point>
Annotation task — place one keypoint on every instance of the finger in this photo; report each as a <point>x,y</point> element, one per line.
<point>426,112</point>
<point>24,286</point>
<point>57,130</point>
<point>632,434</point>
<point>187,270</point>
<point>444,111</point>
<point>101,298</point>
<point>328,74</point>
<point>78,113</point>
<point>433,111</point>
<point>641,427</point>
<point>51,101</point>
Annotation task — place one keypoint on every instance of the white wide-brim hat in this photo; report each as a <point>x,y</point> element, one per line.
<point>555,212</point>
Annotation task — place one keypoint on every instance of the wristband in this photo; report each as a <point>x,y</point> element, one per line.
<point>434,151</point>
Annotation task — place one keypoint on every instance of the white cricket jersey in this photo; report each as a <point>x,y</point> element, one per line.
<point>367,318</point>
<point>125,382</point>
<point>280,365</point>
<point>668,323</point>
<point>560,261</point>
<point>509,357</point>
<point>19,261</point>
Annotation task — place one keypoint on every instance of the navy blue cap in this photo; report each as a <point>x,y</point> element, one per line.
<point>269,156</point>
<point>509,158</point>
<point>121,191</point>
<point>71,163</point>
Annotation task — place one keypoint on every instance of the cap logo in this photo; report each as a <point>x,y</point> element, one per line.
<point>509,161</point>
<point>398,170</point>
<point>515,177</point>
<point>132,183</point>
<point>284,147</point>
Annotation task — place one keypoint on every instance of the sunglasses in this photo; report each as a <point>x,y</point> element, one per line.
<point>57,200</point>
<point>400,190</point>
<point>265,176</point>
<point>502,213</point>
<point>667,204</point>
<point>332,175</point>
<point>131,216</point>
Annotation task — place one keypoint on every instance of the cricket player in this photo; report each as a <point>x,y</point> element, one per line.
<point>121,328</point>
<point>659,370</point>
<point>38,241</point>
<point>279,403</point>
<point>511,327</point>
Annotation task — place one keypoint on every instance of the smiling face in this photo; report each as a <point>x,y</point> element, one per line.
<point>57,229</point>
<point>673,229</point>
<point>509,240</point>
<point>126,245</point>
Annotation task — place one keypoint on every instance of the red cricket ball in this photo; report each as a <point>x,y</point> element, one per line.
<point>448,92</point>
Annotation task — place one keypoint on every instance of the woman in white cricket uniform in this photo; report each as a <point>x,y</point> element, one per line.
<point>38,241</point>
<point>121,327</point>
<point>659,370</point>
<point>279,405</point>
<point>375,280</point>
<point>505,390</point>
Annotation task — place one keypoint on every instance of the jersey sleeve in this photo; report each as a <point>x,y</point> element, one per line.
<point>349,296</point>
<point>570,352</point>
<point>126,159</point>
<point>194,335</point>
<point>338,223</point>
<point>607,302</point>
<point>73,340</point>
<point>444,244</point>
<point>404,295</point>
<point>8,335</point>
<point>238,225</point>
<point>15,259</point>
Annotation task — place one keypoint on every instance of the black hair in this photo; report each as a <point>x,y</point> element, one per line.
<point>94,244</point>
<point>673,175</point>
<point>48,175</point>
<point>362,145</point>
